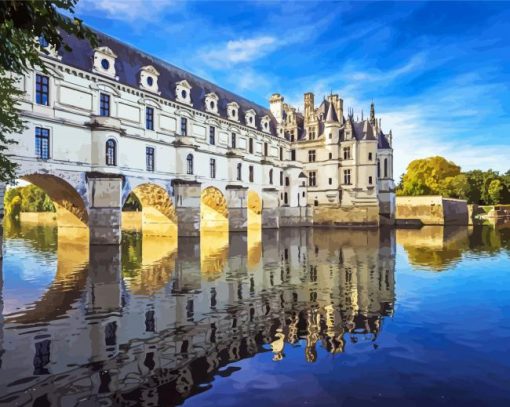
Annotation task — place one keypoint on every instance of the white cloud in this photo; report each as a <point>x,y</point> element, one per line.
<point>126,10</point>
<point>239,51</point>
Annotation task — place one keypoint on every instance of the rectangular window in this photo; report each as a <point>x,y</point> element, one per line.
<point>281,154</point>
<point>287,182</point>
<point>42,143</point>
<point>347,153</point>
<point>184,126</point>
<point>149,118</point>
<point>42,90</point>
<point>266,149</point>
<point>250,146</point>
<point>293,155</point>
<point>212,167</point>
<point>311,156</point>
<point>369,156</point>
<point>347,177</point>
<point>330,181</point>
<point>212,135</point>
<point>104,104</point>
<point>233,141</point>
<point>281,178</point>
<point>312,180</point>
<point>149,158</point>
<point>330,156</point>
<point>250,174</point>
<point>369,180</point>
<point>239,172</point>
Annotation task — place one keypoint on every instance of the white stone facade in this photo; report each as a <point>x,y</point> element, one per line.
<point>114,112</point>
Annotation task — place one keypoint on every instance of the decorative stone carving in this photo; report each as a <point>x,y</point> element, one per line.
<point>149,79</point>
<point>233,111</point>
<point>183,92</point>
<point>104,62</point>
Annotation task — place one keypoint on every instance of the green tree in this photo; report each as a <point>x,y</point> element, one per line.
<point>14,208</point>
<point>425,176</point>
<point>21,23</point>
<point>454,187</point>
<point>495,192</point>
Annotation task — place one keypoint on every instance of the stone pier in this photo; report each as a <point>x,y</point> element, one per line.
<point>105,210</point>
<point>237,198</point>
<point>270,210</point>
<point>187,207</point>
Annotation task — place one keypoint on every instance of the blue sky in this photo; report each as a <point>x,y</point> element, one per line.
<point>438,72</point>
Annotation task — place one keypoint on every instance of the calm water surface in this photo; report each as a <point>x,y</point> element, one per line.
<point>299,317</point>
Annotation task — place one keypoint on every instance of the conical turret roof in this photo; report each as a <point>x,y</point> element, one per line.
<point>331,116</point>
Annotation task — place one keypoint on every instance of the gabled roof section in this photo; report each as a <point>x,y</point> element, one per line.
<point>130,60</point>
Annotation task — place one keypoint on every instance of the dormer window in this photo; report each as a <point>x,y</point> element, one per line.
<point>104,62</point>
<point>211,103</point>
<point>250,118</point>
<point>233,111</point>
<point>183,92</point>
<point>149,79</point>
<point>264,122</point>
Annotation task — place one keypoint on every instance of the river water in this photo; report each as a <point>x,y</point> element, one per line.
<point>299,317</point>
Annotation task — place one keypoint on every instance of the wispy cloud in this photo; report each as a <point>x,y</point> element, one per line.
<point>127,10</point>
<point>240,51</point>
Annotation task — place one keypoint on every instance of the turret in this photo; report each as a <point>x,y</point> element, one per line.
<point>372,114</point>
<point>309,105</point>
<point>332,125</point>
<point>276,107</point>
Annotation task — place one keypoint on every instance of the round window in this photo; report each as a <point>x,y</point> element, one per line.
<point>105,64</point>
<point>184,94</point>
<point>211,104</point>
<point>150,81</point>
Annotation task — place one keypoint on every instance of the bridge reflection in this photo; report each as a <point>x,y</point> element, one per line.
<point>156,320</point>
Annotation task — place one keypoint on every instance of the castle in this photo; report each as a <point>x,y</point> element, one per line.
<point>106,122</point>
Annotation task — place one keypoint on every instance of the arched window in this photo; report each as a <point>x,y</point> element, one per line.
<point>189,160</point>
<point>378,169</point>
<point>271,177</point>
<point>239,171</point>
<point>385,168</point>
<point>111,152</point>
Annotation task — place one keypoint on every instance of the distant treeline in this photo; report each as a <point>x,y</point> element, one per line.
<point>33,199</point>
<point>438,176</point>
<point>26,199</point>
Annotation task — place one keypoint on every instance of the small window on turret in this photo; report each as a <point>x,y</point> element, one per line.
<point>369,156</point>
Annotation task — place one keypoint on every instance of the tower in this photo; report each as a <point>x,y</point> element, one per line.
<point>372,114</point>
<point>276,107</point>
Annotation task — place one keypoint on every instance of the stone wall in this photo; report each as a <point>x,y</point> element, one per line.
<point>326,215</point>
<point>294,217</point>
<point>431,210</point>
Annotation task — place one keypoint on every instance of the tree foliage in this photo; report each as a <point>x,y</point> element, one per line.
<point>438,176</point>
<point>21,23</point>
<point>27,199</point>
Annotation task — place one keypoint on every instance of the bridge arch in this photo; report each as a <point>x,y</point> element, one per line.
<point>69,200</point>
<point>158,211</point>
<point>213,210</point>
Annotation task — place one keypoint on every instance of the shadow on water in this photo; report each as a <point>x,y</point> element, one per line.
<point>156,321</point>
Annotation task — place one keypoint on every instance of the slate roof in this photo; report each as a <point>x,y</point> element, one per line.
<point>130,60</point>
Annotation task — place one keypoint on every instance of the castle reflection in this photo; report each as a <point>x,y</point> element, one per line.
<point>155,320</point>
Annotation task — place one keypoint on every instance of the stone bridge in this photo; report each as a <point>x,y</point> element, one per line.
<point>89,203</point>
